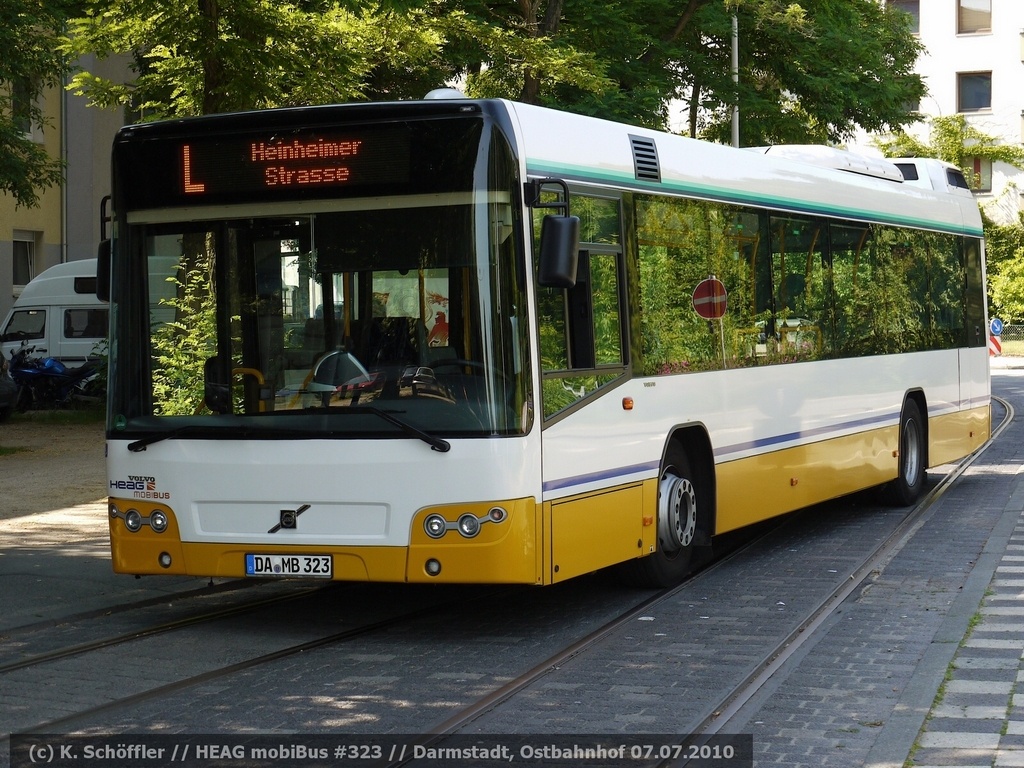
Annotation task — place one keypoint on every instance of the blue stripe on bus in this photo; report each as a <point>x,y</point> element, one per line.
<point>720,453</point>
<point>789,437</point>
<point>606,474</point>
<point>734,196</point>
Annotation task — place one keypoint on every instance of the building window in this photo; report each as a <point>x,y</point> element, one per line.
<point>973,91</point>
<point>913,9</point>
<point>21,105</point>
<point>24,102</point>
<point>24,258</point>
<point>974,16</point>
<point>982,180</point>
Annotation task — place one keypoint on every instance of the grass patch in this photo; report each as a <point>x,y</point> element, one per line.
<point>10,451</point>
<point>59,417</point>
<point>1014,348</point>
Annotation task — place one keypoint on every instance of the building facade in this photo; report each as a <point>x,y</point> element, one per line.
<point>65,225</point>
<point>973,65</point>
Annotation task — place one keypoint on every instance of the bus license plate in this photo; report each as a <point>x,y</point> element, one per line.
<point>290,566</point>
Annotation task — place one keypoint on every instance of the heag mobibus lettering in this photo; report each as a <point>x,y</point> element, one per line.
<point>289,752</point>
<point>220,751</point>
<point>140,486</point>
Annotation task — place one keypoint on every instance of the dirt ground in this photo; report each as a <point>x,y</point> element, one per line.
<point>59,466</point>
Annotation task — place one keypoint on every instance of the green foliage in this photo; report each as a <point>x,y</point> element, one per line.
<point>810,72</point>
<point>1004,250</point>
<point>198,58</point>
<point>954,140</point>
<point>182,345</point>
<point>841,64</point>
<point>32,62</point>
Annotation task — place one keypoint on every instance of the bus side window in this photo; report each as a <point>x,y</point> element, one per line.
<point>797,246</point>
<point>582,342</point>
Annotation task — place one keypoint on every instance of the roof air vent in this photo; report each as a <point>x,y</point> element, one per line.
<point>645,159</point>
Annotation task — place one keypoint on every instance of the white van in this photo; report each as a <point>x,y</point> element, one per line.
<point>58,314</point>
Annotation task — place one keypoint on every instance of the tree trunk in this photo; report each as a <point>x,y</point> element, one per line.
<point>213,67</point>
<point>546,28</point>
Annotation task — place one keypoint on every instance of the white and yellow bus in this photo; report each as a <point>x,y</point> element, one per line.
<point>478,341</point>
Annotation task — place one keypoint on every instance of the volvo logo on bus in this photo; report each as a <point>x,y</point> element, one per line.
<point>289,519</point>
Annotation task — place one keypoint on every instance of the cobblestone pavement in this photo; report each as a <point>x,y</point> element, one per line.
<point>899,679</point>
<point>922,666</point>
<point>918,667</point>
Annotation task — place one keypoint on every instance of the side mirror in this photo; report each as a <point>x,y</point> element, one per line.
<point>559,251</point>
<point>216,392</point>
<point>103,271</point>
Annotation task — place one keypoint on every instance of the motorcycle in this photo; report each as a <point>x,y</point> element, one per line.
<point>48,383</point>
<point>8,391</point>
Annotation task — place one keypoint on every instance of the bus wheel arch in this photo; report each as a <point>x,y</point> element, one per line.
<point>912,452</point>
<point>684,514</point>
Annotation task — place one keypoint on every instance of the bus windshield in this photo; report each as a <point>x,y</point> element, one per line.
<point>367,316</point>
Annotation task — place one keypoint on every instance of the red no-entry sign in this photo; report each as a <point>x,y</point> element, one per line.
<point>709,299</point>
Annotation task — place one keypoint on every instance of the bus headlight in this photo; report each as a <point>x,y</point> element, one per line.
<point>158,521</point>
<point>469,526</point>
<point>435,526</point>
<point>132,520</point>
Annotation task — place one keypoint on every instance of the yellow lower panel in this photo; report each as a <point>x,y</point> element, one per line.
<point>506,552</point>
<point>139,553</point>
<point>594,531</point>
<point>955,435</point>
<point>755,489</point>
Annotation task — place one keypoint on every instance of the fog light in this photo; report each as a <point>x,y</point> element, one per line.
<point>165,560</point>
<point>469,526</point>
<point>433,567</point>
<point>435,526</point>
<point>132,520</point>
<point>158,522</point>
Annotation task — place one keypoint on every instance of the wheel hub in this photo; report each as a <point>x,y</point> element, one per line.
<point>677,513</point>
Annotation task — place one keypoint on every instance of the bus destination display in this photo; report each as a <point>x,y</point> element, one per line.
<point>246,165</point>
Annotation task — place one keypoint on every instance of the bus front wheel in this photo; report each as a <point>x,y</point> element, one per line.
<point>678,500</point>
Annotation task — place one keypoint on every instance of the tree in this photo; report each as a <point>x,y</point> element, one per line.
<point>29,35</point>
<point>208,56</point>
<point>1004,256</point>
<point>213,56</point>
<point>810,71</point>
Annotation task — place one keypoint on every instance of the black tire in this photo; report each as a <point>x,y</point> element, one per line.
<point>909,484</point>
<point>23,400</point>
<point>678,500</point>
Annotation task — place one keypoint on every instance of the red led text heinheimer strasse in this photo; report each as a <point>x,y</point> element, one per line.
<point>280,153</point>
<point>287,164</point>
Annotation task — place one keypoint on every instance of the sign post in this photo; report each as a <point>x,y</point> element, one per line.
<point>710,301</point>
<point>995,344</point>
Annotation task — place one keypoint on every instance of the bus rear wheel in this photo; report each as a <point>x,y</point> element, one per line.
<point>907,487</point>
<point>678,500</point>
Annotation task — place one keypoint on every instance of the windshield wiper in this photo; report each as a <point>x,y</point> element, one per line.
<point>156,437</point>
<point>435,443</point>
<point>246,431</point>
